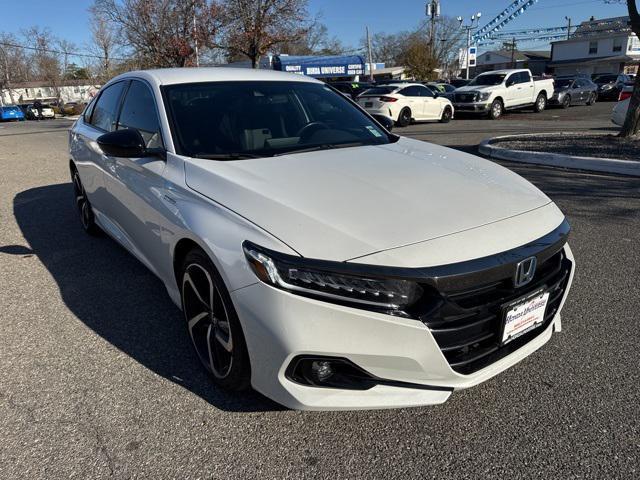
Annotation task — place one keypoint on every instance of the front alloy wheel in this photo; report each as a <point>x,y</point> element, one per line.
<point>212,323</point>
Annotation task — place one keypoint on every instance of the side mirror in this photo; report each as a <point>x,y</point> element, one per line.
<point>386,122</point>
<point>126,143</point>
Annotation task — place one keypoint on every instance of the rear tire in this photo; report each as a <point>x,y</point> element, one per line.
<point>447,114</point>
<point>541,103</point>
<point>404,119</point>
<point>496,110</point>
<point>212,322</point>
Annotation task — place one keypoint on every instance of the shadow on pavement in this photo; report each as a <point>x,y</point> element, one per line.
<point>116,296</point>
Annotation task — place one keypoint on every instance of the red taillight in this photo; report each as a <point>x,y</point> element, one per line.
<point>624,96</point>
<point>388,99</point>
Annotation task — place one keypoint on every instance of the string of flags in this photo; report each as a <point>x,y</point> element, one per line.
<point>514,10</point>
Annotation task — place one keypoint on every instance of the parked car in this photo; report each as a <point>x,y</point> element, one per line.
<point>33,114</point>
<point>570,91</point>
<point>406,102</point>
<point>351,89</point>
<point>316,257</point>
<point>72,108</point>
<point>610,85</point>
<point>442,88</point>
<point>492,93</point>
<point>619,114</point>
<point>459,82</point>
<point>11,112</point>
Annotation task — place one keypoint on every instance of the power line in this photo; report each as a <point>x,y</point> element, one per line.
<point>59,52</point>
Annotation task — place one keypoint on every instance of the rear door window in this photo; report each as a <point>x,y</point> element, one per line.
<point>105,113</point>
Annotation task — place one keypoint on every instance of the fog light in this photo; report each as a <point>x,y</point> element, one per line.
<point>321,370</point>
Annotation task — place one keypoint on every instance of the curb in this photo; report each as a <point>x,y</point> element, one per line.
<point>594,164</point>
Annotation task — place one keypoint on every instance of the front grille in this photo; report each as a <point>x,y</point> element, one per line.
<point>465,97</point>
<point>466,324</point>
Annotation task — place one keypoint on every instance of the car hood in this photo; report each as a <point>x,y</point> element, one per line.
<point>479,88</point>
<point>346,203</point>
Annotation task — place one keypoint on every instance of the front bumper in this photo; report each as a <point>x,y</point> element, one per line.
<point>611,94</point>
<point>472,107</point>
<point>280,326</point>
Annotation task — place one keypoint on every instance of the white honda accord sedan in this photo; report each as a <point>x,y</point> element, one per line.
<point>318,258</point>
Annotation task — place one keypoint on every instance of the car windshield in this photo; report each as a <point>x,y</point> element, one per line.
<point>606,78</point>
<point>489,79</point>
<point>233,120</point>
<point>564,83</point>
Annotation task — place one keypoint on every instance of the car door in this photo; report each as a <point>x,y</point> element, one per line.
<point>511,90</point>
<point>136,185</point>
<point>580,89</point>
<point>432,107</point>
<point>524,88</point>
<point>413,100</point>
<point>93,166</point>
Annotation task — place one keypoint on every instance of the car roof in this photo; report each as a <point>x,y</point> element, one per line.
<point>402,85</point>
<point>173,76</point>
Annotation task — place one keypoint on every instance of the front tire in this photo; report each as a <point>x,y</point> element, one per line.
<point>592,99</point>
<point>404,119</point>
<point>496,110</point>
<point>566,101</point>
<point>541,103</point>
<point>212,322</point>
<point>87,218</point>
<point>447,114</point>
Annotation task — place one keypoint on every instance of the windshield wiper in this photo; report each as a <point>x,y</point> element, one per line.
<point>227,156</point>
<point>324,146</point>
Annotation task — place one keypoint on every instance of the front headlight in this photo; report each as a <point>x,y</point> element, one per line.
<point>330,281</point>
<point>607,86</point>
<point>484,96</point>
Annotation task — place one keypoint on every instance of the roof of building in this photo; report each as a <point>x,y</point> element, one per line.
<point>602,26</point>
<point>609,58</point>
<point>522,56</point>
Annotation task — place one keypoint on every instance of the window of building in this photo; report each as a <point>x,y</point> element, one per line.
<point>593,47</point>
<point>617,44</point>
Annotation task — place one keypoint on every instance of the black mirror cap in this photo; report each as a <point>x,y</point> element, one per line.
<point>386,122</point>
<point>126,143</point>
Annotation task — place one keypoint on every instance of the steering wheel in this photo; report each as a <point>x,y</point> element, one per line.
<point>309,129</point>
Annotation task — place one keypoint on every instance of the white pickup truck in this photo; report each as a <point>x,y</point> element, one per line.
<point>492,93</point>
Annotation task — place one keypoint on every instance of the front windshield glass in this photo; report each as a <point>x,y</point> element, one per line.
<point>564,83</point>
<point>489,79</point>
<point>230,120</point>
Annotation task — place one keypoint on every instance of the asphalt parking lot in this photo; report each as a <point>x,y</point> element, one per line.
<point>99,380</point>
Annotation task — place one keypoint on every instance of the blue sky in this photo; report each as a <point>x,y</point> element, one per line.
<point>345,19</point>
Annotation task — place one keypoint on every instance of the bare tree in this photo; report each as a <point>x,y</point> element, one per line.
<point>163,33</point>
<point>316,41</point>
<point>45,58</point>
<point>253,27</point>
<point>105,43</point>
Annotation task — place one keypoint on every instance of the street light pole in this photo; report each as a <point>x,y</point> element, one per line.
<point>568,19</point>
<point>475,20</point>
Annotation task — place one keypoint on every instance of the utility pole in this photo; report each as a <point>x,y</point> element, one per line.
<point>511,46</point>
<point>568,27</point>
<point>370,56</point>
<point>195,36</point>
<point>475,20</point>
<point>433,12</point>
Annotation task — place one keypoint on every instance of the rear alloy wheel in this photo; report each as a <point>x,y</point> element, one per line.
<point>592,99</point>
<point>84,207</point>
<point>496,110</point>
<point>212,323</point>
<point>566,101</point>
<point>404,119</point>
<point>446,115</point>
<point>541,103</point>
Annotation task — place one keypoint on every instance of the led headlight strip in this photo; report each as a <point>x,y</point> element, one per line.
<point>296,275</point>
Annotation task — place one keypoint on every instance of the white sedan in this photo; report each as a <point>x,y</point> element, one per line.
<point>406,102</point>
<point>316,257</point>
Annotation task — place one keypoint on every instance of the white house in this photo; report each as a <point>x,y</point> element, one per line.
<point>536,61</point>
<point>597,46</point>
<point>69,91</point>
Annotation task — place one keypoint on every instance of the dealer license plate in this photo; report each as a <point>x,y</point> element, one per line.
<point>523,315</point>
<point>368,104</point>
